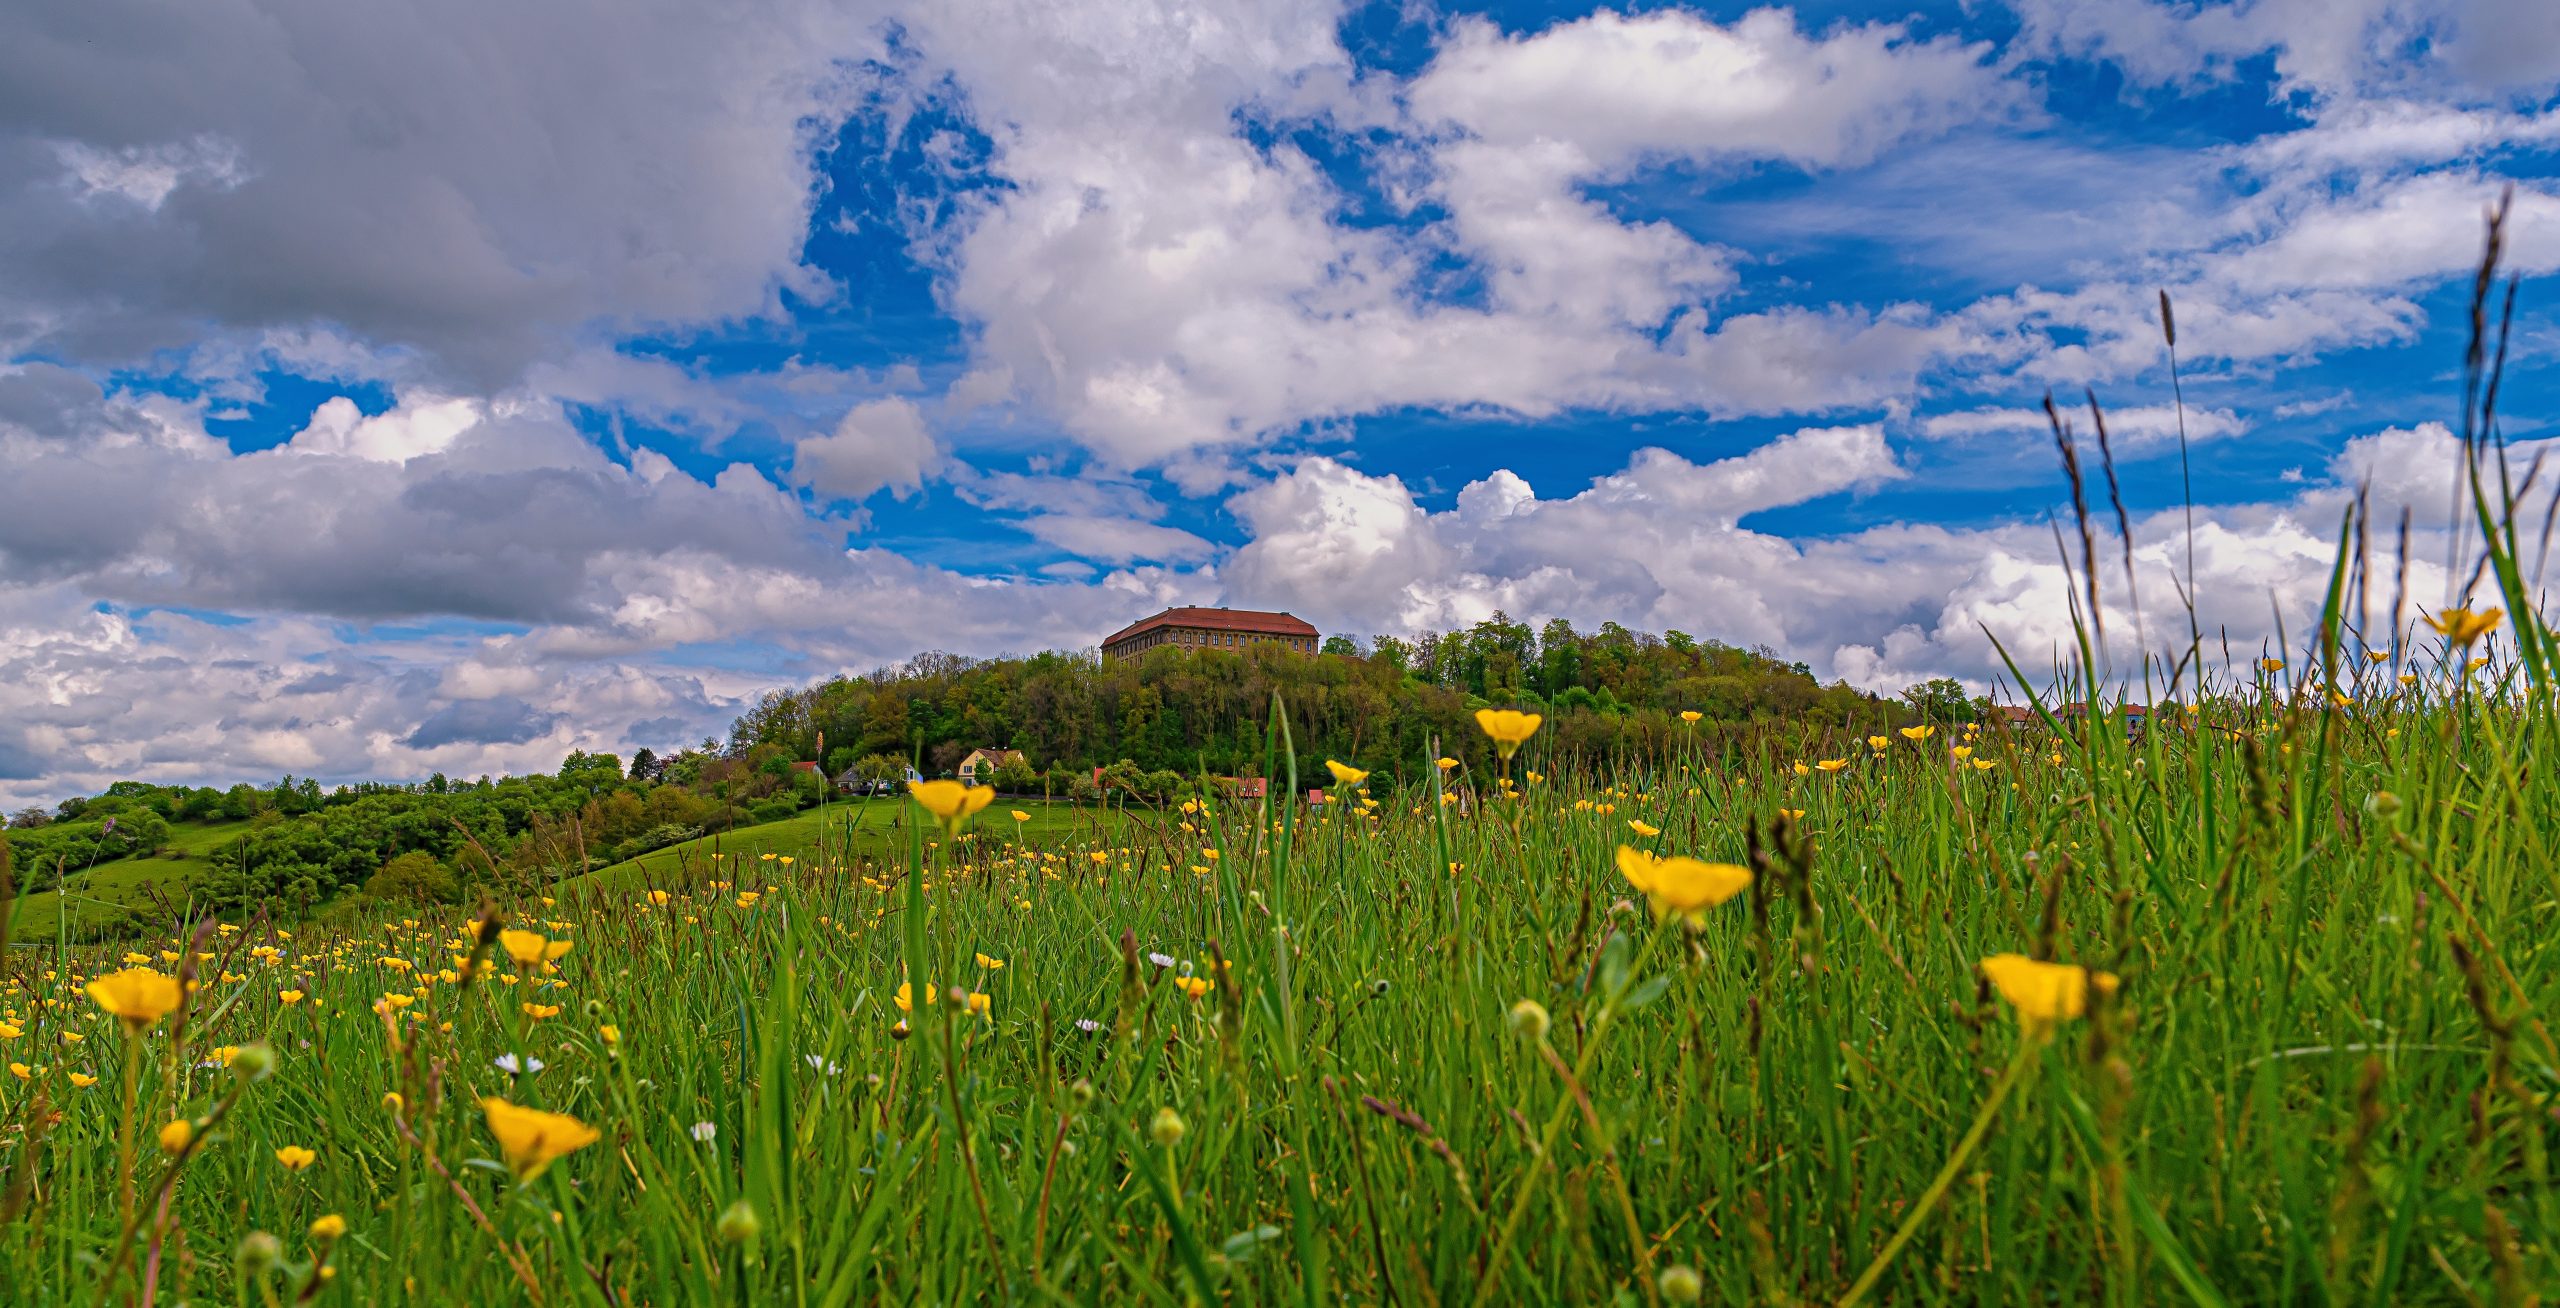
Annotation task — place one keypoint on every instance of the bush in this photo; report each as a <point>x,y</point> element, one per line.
<point>773,810</point>
<point>414,878</point>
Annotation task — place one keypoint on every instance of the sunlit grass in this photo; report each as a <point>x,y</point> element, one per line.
<point>1452,1053</point>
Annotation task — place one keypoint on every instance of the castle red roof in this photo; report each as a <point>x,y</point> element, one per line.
<point>1251,621</point>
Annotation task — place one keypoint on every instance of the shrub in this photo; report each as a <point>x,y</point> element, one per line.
<point>414,878</point>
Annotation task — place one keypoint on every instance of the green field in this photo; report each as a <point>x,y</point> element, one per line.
<point>106,895</point>
<point>1455,1053</point>
<point>850,832</point>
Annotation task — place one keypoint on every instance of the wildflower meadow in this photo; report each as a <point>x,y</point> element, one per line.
<point>2245,1007</point>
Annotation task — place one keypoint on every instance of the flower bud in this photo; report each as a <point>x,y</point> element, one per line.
<point>175,1136</point>
<point>254,1063</point>
<point>1168,1128</point>
<point>738,1223</point>
<point>1081,1092</point>
<point>2382,804</point>
<point>1529,1020</point>
<point>1680,1283</point>
<point>257,1255</point>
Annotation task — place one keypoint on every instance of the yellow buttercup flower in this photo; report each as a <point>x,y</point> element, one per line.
<point>2043,993</point>
<point>951,802</point>
<point>533,1139</point>
<point>1792,814</point>
<point>2460,627</point>
<point>1020,816</point>
<point>289,997</point>
<point>1445,764</point>
<point>1509,728</point>
<point>530,949</point>
<point>1686,886</point>
<point>1832,764</point>
<point>1643,828</point>
<point>175,1137</point>
<point>1921,732</point>
<point>1690,715</point>
<point>294,1158</point>
<point>1345,775</point>
<point>331,1227</point>
<point>137,995</point>
<point>83,1080</point>
<point>2271,664</point>
<point>1194,986</point>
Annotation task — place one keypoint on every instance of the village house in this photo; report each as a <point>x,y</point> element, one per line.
<point>1200,628</point>
<point>981,764</point>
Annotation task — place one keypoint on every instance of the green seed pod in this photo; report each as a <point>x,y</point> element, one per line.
<point>1680,1283</point>
<point>1529,1020</point>
<point>253,1063</point>
<point>738,1223</point>
<point>258,1254</point>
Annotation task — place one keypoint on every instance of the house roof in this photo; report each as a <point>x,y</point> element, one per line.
<point>1251,621</point>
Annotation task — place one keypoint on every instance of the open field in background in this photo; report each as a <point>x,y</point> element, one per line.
<point>850,833</point>
<point>2324,1073</point>
<point>106,898</point>
<point>101,896</point>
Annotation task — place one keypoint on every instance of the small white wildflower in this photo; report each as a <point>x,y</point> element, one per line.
<point>509,1064</point>
<point>703,1131</point>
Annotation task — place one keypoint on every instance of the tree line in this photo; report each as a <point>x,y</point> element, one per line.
<point>1389,702</point>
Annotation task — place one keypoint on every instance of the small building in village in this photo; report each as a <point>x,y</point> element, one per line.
<point>981,764</point>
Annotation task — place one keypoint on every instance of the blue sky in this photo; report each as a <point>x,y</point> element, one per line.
<point>447,388</point>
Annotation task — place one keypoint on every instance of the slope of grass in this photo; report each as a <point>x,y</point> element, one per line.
<point>849,832</point>
<point>106,895</point>
<point>1452,1054</point>
<point>1800,1063</point>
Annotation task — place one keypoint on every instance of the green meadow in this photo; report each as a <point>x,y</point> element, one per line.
<point>110,893</point>
<point>1436,1047</point>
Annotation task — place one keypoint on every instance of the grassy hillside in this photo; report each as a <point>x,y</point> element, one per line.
<point>105,894</point>
<point>2247,1009</point>
<point>849,832</point>
<point>99,900</point>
